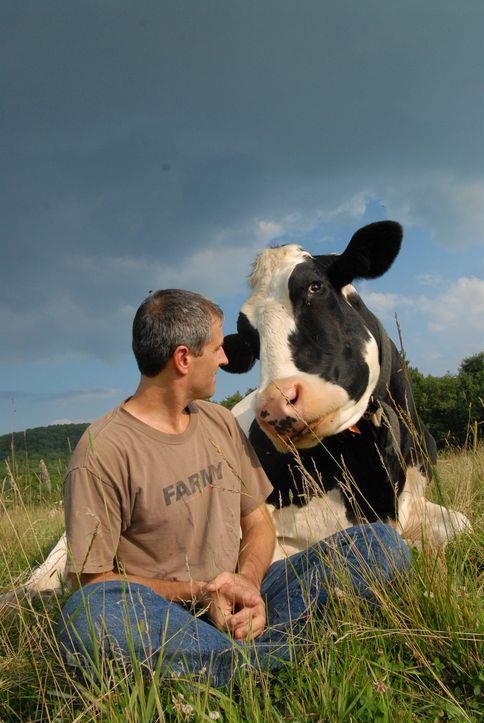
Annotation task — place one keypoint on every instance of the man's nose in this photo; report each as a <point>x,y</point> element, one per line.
<point>223,359</point>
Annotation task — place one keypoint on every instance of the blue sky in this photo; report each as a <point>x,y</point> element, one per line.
<point>154,144</point>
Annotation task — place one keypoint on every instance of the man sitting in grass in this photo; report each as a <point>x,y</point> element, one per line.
<point>170,542</point>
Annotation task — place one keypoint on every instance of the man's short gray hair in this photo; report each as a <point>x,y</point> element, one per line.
<point>167,319</point>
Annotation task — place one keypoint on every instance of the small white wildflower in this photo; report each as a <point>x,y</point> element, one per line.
<point>72,659</point>
<point>187,710</point>
<point>380,686</point>
<point>339,593</point>
<point>202,671</point>
<point>428,594</point>
<point>214,715</point>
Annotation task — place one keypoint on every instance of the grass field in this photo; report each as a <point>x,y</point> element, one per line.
<point>417,656</point>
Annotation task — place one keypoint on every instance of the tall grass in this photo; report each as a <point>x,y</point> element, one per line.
<point>416,655</point>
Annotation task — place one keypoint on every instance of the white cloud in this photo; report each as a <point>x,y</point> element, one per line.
<point>350,209</point>
<point>459,312</point>
<point>68,421</point>
<point>431,281</point>
<point>450,207</point>
<point>440,330</point>
<point>269,230</point>
<point>343,207</point>
<point>383,305</point>
<point>90,395</point>
<point>216,271</point>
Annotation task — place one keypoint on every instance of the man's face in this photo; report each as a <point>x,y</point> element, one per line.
<point>204,368</point>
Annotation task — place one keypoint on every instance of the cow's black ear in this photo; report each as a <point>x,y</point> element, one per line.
<point>240,354</point>
<point>370,253</point>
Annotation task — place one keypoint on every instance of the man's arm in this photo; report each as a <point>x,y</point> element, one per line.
<point>239,599</point>
<point>256,550</point>
<point>189,591</point>
<point>228,592</point>
<point>220,606</point>
<point>257,546</point>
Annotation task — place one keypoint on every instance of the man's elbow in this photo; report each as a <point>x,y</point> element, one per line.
<point>81,579</point>
<point>74,580</point>
<point>268,521</point>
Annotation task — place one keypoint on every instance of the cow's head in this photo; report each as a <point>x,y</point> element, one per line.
<point>319,360</point>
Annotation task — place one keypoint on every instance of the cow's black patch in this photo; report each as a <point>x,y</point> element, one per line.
<point>330,337</point>
<point>352,462</point>
<point>245,329</point>
<point>242,349</point>
<point>369,254</point>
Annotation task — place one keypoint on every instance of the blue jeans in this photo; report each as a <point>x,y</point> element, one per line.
<point>119,621</point>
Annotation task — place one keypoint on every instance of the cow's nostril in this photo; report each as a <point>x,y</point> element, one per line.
<point>291,395</point>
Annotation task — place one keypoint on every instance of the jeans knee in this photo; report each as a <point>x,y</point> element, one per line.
<point>104,622</point>
<point>392,551</point>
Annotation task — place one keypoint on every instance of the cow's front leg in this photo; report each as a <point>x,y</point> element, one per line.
<point>423,522</point>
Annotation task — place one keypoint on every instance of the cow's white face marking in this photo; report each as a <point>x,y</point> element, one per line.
<point>324,408</point>
<point>273,267</point>
<point>269,309</point>
<point>348,291</point>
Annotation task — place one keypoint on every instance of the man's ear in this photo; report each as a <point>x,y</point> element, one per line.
<point>181,359</point>
<point>369,254</point>
<point>240,354</point>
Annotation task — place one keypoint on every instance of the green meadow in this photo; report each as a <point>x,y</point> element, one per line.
<point>416,655</point>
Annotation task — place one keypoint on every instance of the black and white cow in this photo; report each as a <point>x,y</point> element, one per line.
<point>333,421</point>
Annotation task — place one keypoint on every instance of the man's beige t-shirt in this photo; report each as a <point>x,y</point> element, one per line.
<point>161,505</point>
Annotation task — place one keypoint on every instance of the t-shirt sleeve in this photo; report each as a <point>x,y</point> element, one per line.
<point>93,521</point>
<point>255,485</point>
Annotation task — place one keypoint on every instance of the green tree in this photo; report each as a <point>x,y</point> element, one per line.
<point>471,386</point>
<point>234,399</point>
<point>474,367</point>
<point>452,405</point>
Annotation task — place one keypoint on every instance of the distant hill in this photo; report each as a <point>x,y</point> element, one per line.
<point>53,442</point>
<point>57,441</point>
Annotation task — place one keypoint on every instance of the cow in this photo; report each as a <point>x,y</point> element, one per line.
<point>333,421</point>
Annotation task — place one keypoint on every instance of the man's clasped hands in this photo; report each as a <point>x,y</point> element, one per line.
<point>234,604</point>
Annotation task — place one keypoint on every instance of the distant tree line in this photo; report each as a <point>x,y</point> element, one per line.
<point>451,406</point>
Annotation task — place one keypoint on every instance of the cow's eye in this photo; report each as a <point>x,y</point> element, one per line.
<point>314,287</point>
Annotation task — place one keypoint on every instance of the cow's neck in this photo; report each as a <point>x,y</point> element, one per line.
<point>380,393</point>
<point>378,407</point>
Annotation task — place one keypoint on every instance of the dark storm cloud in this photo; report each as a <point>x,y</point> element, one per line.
<point>134,135</point>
